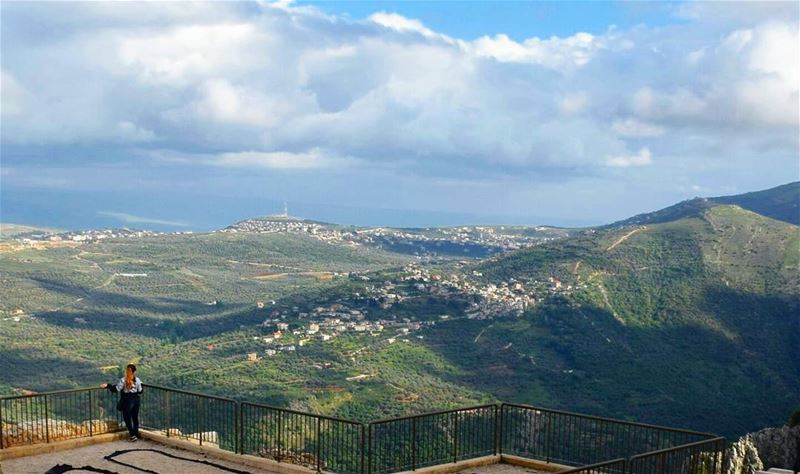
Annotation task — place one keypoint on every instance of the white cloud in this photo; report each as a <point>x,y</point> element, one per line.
<point>556,53</point>
<point>314,159</point>
<point>770,91</point>
<point>279,160</point>
<point>400,23</point>
<point>220,101</point>
<point>642,158</point>
<point>748,78</point>
<point>11,99</point>
<point>128,131</point>
<point>573,104</point>
<point>679,103</point>
<point>181,54</point>
<point>636,129</point>
<point>285,87</point>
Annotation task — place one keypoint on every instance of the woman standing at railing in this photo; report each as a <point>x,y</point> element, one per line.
<point>129,388</point>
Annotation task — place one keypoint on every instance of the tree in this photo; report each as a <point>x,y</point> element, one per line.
<point>794,420</point>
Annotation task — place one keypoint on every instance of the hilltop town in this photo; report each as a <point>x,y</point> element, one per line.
<point>88,235</point>
<point>466,241</point>
<point>469,241</point>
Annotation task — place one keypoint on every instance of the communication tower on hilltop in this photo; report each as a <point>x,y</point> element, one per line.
<point>285,209</point>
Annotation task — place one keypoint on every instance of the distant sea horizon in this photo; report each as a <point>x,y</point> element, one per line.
<point>80,211</point>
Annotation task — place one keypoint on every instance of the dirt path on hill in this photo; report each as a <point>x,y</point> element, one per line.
<point>624,238</point>
<point>481,333</point>
<point>607,301</point>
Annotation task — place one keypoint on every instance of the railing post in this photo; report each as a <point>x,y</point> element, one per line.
<point>455,437</point>
<point>547,437</point>
<point>414,444</point>
<point>239,420</point>
<point>2,443</point>
<point>363,436</point>
<point>369,447</point>
<point>280,435</point>
<point>498,429</point>
<point>202,416</point>
<point>319,447</point>
<point>168,413</point>
<point>91,417</point>
<point>46,424</point>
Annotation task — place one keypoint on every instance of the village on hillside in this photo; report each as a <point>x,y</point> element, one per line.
<point>289,329</point>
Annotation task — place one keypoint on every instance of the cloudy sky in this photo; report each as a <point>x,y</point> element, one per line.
<point>194,115</point>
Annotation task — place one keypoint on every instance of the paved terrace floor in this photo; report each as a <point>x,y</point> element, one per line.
<point>165,461</point>
<point>502,469</point>
<point>94,456</point>
<point>178,461</point>
<point>150,457</point>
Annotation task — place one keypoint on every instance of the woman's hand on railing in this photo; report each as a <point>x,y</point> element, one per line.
<point>103,385</point>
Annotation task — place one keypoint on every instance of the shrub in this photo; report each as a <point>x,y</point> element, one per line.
<point>794,420</point>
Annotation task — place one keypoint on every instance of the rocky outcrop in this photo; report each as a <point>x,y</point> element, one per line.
<point>44,430</point>
<point>210,438</point>
<point>291,456</point>
<point>742,457</point>
<point>771,447</point>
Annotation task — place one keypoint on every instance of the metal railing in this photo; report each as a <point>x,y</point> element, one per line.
<point>703,457</point>
<point>197,417</point>
<point>319,442</point>
<point>57,416</point>
<point>579,440</point>
<point>412,442</point>
<point>322,443</point>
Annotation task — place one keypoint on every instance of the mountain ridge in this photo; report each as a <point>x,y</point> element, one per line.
<point>708,301</point>
<point>780,203</point>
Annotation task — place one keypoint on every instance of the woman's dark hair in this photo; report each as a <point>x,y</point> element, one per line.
<point>129,377</point>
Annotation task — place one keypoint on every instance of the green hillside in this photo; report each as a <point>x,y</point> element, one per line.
<point>64,309</point>
<point>692,322</point>
<point>781,203</point>
<point>688,320</point>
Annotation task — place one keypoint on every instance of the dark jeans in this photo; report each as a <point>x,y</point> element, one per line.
<point>130,413</point>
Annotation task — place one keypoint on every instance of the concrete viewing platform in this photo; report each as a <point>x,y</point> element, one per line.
<point>502,468</point>
<point>120,456</point>
<point>156,454</point>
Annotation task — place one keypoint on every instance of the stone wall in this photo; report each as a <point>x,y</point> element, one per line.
<point>770,447</point>
<point>39,431</point>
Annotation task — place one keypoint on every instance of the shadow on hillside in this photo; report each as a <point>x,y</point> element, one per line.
<point>99,297</point>
<point>35,370</point>
<point>683,374</point>
<point>170,318</point>
<point>770,325</point>
<point>173,328</point>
